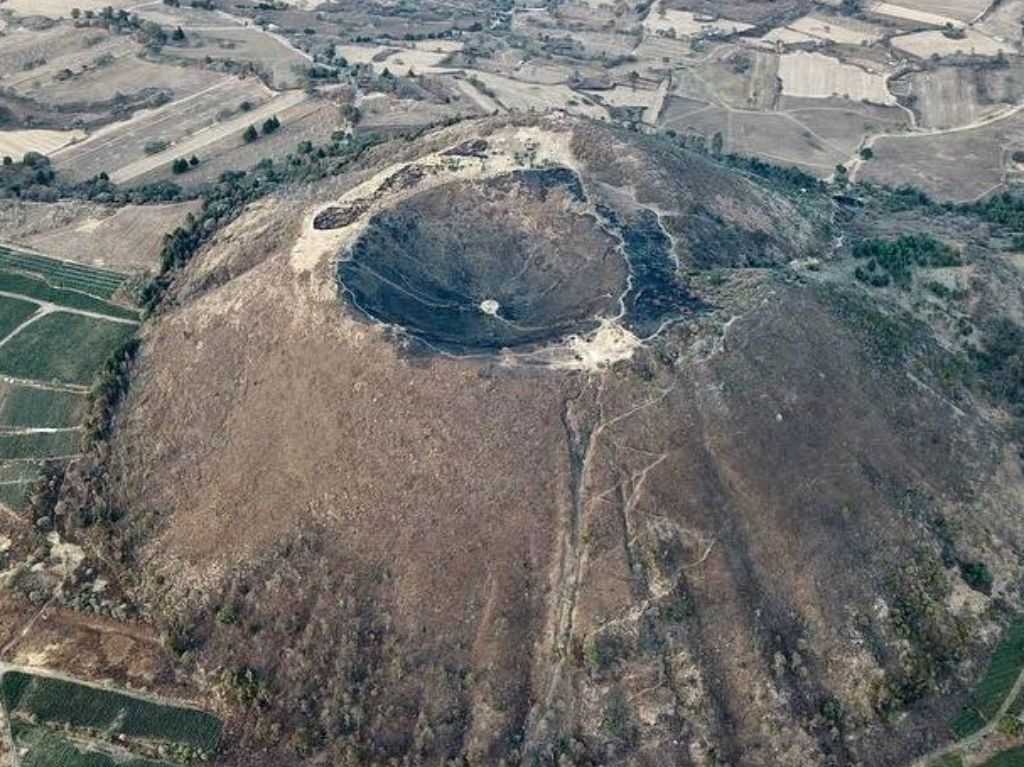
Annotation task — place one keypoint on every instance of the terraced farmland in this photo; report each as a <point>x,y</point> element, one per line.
<point>58,326</point>
<point>61,721</point>
<point>62,274</point>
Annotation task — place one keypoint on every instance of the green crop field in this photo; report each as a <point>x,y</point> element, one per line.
<point>20,471</point>
<point>45,748</point>
<point>13,312</point>
<point>13,494</point>
<point>35,287</point>
<point>39,445</point>
<point>62,274</point>
<point>27,407</point>
<point>1012,758</point>
<point>64,344</point>
<point>66,704</point>
<point>62,347</point>
<point>1004,668</point>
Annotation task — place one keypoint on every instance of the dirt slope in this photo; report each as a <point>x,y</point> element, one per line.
<point>706,523</point>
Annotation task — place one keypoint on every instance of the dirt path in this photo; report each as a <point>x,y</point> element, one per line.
<point>34,430</point>
<point>46,386</point>
<point>855,162</point>
<point>47,307</point>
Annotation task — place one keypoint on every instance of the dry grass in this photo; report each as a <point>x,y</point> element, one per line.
<point>16,143</point>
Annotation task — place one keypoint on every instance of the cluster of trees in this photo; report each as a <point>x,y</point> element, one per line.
<point>894,260</point>
<point>181,165</point>
<point>270,125</point>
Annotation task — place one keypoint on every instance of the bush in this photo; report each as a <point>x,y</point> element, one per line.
<point>250,134</point>
<point>977,576</point>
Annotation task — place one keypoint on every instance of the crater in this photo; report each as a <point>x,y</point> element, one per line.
<point>518,259</point>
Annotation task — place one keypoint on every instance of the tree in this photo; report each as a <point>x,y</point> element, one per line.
<point>717,143</point>
<point>8,160</point>
<point>76,13</point>
<point>867,153</point>
<point>193,161</point>
<point>180,165</point>
<point>271,125</point>
<point>178,34</point>
<point>250,134</point>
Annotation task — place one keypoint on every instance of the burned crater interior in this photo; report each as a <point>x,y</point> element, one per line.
<point>515,260</point>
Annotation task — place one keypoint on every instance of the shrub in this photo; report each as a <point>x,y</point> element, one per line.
<point>977,576</point>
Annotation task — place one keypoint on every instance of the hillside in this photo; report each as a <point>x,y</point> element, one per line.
<point>535,441</point>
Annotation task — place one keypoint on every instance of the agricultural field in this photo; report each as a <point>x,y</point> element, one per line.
<point>222,147</point>
<point>814,75</point>
<point>948,97</point>
<point>904,12</point>
<point>125,75</point>
<point>989,696</point>
<point>924,45</point>
<point>58,330</point>
<point>60,9</point>
<point>959,10</point>
<point>82,724</point>
<point>183,127</point>
<point>663,20</point>
<point>125,238</point>
<point>842,31</point>
<point>15,144</point>
<point>1002,22</point>
<point>84,52</point>
<point>269,55</point>
<point>959,164</point>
